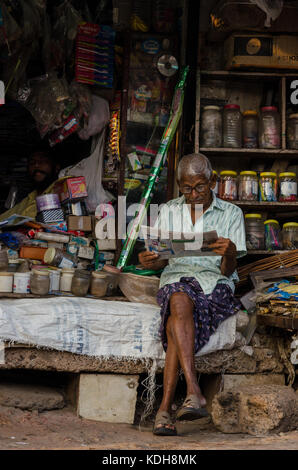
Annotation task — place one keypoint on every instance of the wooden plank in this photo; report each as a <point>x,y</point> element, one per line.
<point>278,321</point>
<point>251,152</point>
<point>283,113</point>
<point>258,277</point>
<point>249,75</point>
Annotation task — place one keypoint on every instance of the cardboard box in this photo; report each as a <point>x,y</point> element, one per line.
<point>82,223</point>
<point>261,50</point>
<point>33,252</point>
<point>72,189</point>
<point>86,252</point>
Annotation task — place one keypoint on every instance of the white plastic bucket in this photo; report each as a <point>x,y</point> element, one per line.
<point>21,283</point>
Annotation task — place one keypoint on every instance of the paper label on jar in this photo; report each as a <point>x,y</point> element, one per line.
<point>288,188</point>
<point>66,263</point>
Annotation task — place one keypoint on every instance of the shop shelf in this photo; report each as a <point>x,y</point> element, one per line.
<point>263,153</point>
<point>289,206</point>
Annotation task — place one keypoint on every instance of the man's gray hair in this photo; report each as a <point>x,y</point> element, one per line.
<point>194,164</point>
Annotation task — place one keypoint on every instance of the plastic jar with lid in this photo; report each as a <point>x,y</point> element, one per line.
<point>40,282</point>
<point>288,187</point>
<point>248,186</point>
<point>254,228</point>
<point>292,132</point>
<point>211,127</point>
<point>250,129</point>
<point>290,236</point>
<point>112,274</point>
<point>216,187</point>
<point>273,239</point>
<point>269,128</point>
<point>228,185</point>
<point>99,284</point>
<point>3,260</point>
<point>66,279</point>
<point>232,126</point>
<point>80,282</point>
<point>56,257</point>
<point>268,186</point>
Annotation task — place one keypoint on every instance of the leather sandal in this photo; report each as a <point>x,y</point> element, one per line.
<point>162,420</point>
<point>191,409</point>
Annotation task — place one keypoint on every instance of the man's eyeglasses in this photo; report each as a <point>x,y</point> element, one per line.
<point>199,188</point>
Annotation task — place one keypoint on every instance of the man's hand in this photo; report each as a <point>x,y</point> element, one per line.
<point>151,261</point>
<point>223,247</point>
<point>227,249</point>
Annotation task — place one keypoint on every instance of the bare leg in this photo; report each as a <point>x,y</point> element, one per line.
<point>183,334</point>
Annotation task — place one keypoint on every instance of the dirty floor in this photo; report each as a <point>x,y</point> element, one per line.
<point>62,429</point>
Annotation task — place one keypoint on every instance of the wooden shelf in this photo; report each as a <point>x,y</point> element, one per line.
<point>289,206</point>
<point>266,252</point>
<point>279,321</point>
<point>226,74</point>
<point>264,153</point>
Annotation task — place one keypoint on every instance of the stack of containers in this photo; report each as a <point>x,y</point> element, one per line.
<point>49,209</point>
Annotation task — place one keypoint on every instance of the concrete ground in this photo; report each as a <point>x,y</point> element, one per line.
<point>62,429</point>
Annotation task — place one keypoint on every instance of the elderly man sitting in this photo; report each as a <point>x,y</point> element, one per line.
<point>196,293</point>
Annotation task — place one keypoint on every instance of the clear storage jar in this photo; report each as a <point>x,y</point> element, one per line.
<point>216,187</point>
<point>228,185</point>
<point>250,125</point>
<point>211,127</point>
<point>273,238</point>
<point>268,186</point>
<point>269,128</point>
<point>255,231</point>
<point>112,274</point>
<point>99,284</point>
<point>292,132</point>
<point>80,283</point>
<point>40,282</point>
<point>248,186</point>
<point>232,126</point>
<point>290,236</point>
<point>3,260</point>
<point>288,187</point>
<point>58,258</point>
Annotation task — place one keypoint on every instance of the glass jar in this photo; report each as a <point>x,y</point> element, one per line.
<point>66,279</point>
<point>232,126</point>
<point>248,186</point>
<point>250,125</point>
<point>3,260</point>
<point>292,132</point>
<point>211,127</point>
<point>228,185</point>
<point>269,128</point>
<point>288,187</point>
<point>40,282</point>
<point>273,239</point>
<point>54,280</point>
<point>268,186</point>
<point>80,283</point>
<point>216,187</point>
<point>56,257</point>
<point>255,230</point>
<point>99,284</point>
<point>112,274</point>
<point>290,236</point>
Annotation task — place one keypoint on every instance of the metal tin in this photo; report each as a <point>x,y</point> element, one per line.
<point>47,202</point>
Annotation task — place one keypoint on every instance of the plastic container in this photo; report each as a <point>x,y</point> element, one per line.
<point>80,283</point>
<point>54,280</point>
<point>269,128</point>
<point>268,186</point>
<point>99,284</point>
<point>232,126</point>
<point>273,238</point>
<point>56,257</point>
<point>21,283</point>
<point>228,185</point>
<point>248,186</point>
<point>52,237</point>
<point>113,274</point>
<point>255,232</point>
<point>211,127</point>
<point>6,282</point>
<point>250,126</point>
<point>3,260</point>
<point>40,282</point>
<point>66,279</point>
<point>216,187</point>
<point>288,187</point>
<point>290,236</point>
<point>292,132</point>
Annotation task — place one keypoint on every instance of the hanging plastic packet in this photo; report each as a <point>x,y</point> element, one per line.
<point>70,126</point>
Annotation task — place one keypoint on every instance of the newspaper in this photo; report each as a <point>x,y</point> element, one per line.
<point>176,245</point>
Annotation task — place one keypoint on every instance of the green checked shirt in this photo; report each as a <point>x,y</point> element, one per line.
<point>224,217</point>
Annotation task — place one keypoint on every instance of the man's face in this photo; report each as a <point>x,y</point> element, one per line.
<point>196,189</point>
<point>40,167</point>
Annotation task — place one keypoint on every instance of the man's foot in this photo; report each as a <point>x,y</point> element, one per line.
<point>191,409</point>
<point>163,425</point>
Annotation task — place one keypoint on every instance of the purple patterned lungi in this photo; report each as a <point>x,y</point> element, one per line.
<point>209,310</point>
